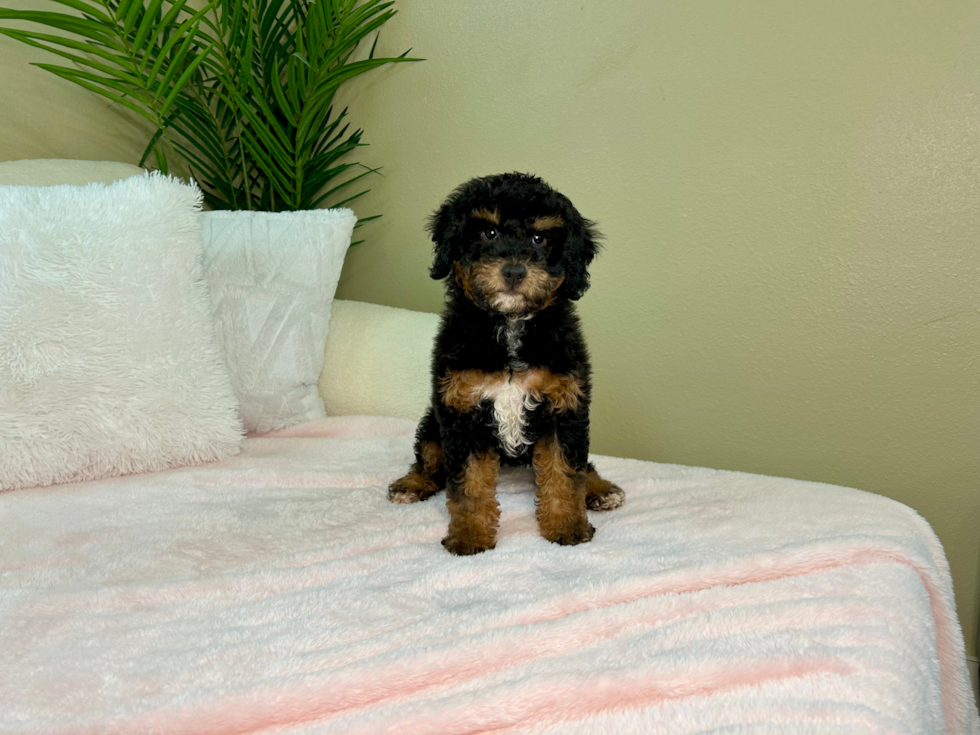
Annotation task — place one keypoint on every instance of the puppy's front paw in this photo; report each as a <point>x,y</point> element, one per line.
<point>578,533</point>
<point>608,498</point>
<point>411,489</point>
<point>465,545</point>
<point>399,493</point>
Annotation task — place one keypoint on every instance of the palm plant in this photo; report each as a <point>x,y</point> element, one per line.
<point>239,93</point>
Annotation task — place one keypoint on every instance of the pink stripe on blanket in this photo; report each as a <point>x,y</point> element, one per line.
<point>345,691</point>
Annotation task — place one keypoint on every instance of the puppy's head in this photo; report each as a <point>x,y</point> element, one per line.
<point>512,244</point>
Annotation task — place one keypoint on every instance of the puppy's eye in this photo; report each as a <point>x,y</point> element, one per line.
<point>539,239</point>
<point>488,234</point>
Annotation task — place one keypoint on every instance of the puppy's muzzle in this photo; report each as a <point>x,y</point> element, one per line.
<point>513,275</point>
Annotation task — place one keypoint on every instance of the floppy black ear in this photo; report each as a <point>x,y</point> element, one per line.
<point>444,228</point>
<point>581,247</point>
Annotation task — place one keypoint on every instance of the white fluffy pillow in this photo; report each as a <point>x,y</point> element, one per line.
<point>108,358</point>
<point>273,276</point>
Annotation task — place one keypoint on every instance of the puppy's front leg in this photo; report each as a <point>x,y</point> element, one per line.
<point>472,501</point>
<point>561,492</point>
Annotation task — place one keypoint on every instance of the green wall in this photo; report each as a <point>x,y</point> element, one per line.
<point>790,194</point>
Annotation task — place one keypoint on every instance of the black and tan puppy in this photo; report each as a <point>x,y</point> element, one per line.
<point>510,370</point>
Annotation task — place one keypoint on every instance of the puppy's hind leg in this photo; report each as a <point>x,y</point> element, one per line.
<point>426,477</point>
<point>601,494</point>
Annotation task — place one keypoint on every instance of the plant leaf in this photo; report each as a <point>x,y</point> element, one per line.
<point>87,8</point>
<point>192,67</point>
<point>91,83</point>
<point>83,27</point>
<point>35,39</point>
<point>150,146</point>
<point>148,23</point>
<point>179,34</point>
<point>132,16</point>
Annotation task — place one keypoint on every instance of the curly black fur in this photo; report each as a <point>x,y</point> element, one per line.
<point>524,197</point>
<point>484,225</point>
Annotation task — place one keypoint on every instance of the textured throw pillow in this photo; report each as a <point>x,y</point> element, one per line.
<point>273,277</point>
<point>108,358</point>
<point>377,361</point>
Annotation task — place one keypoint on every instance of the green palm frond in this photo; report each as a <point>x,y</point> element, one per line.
<point>271,77</point>
<point>240,92</point>
<point>123,51</point>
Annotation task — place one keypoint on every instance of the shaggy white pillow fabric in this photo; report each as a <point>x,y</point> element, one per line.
<point>108,358</point>
<point>273,276</point>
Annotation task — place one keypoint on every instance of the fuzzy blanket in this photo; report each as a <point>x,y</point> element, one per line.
<point>279,592</point>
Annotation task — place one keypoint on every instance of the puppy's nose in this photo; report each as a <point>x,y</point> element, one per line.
<point>513,275</point>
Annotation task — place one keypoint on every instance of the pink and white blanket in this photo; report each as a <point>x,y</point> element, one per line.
<point>280,592</point>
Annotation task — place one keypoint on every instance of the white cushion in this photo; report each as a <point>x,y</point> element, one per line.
<point>108,359</point>
<point>54,171</point>
<point>377,361</point>
<point>273,277</point>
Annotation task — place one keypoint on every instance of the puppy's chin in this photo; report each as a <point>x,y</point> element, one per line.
<point>510,303</point>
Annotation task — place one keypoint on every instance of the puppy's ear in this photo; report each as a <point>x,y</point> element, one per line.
<point>581,247</point>
<point>444,227</point>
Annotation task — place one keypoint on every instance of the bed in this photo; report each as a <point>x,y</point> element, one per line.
<point>279,591</point>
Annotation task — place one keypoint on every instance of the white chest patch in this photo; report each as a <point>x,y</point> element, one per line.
<point>511,401</point>
<point>511,404</point>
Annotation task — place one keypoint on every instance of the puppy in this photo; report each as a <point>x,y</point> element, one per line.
<point>510,369</point>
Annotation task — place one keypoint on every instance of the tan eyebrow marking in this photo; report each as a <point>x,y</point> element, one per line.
<point>550,222</point>
<point>490,216</point>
